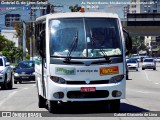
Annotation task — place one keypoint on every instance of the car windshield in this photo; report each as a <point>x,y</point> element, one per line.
<point>148,60</point>
<point>1,62</point>
<point>131,61</point>
<point>91,37</point>
<point>25,65</point>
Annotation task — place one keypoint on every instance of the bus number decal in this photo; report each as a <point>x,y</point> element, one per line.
<point>109,70</point>
<point>65,71</point>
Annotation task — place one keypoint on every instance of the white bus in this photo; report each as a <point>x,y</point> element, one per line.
<point>80,57</point>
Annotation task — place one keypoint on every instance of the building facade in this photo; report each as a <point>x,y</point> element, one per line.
<point>145,6</point>
<point>10,35</point>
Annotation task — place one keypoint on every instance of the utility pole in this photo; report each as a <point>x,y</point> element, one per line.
<point>32,17</point>
<point>24,40</point>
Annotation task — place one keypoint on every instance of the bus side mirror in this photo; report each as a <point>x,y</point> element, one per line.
<point>128,42</point>
<point>40,43</point>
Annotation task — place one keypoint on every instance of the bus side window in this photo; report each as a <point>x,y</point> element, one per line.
<point>40,39</point>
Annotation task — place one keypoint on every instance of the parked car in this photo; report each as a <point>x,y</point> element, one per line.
<point>132,64</point>
<point>6,74</point>
<point>149,63</point>
<point>24,71</point>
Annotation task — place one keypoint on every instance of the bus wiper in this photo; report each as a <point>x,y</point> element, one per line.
<point>73,46</point>
<point>103,52</point>
<point>105,56</point>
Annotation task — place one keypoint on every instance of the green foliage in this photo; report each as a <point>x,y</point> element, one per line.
<point>9,50</point>
<point>138,43</point>
<point>27,57</point>
<point>158,52</point>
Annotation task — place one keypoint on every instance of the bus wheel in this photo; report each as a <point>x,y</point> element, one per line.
<point>41,102</point>
<point>114,105</point>
<point>52,106</point>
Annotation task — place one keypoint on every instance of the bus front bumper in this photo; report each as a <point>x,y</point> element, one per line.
<point>60,92</point>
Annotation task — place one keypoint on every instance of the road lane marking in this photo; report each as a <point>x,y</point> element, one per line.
<point>25,88</point>
<point>143,92</point>
<point>147,76</point>
<point>7,98</point>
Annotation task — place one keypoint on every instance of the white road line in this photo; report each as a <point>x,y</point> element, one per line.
<point>147,76</point>
<point>143,92</point>
<point>25,88</point>
<point>7,98</point>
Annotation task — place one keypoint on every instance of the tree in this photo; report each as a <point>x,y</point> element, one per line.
<point>138,44</point>
<point>8,49</point>
<point>19,30</point>
<point>158,52</point>
<point>75,8</point>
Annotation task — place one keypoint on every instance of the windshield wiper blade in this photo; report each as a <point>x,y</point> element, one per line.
<point>73,46</point>
<point>105,56</point>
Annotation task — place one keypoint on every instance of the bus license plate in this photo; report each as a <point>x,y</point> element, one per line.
<point>88,89</point>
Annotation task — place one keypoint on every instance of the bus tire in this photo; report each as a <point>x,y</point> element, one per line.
<point>41,102</point>
<point>52,106</point>
<point>114,105</point>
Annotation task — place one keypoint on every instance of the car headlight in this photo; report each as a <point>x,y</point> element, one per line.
<point>116,79</point>
<point>33,73</point>
<point>16,74</point>
<point>58,80</point>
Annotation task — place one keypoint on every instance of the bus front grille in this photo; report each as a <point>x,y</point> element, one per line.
<point>96,94</point>
<point>84,82</point>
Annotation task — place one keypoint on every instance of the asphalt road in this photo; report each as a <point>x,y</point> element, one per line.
<point>142,95</point>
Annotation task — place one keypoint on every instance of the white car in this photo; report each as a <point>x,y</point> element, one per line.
<point>132,64</point>
<point>157,59</point>
<point>6,72</point>
<point>149,63</point>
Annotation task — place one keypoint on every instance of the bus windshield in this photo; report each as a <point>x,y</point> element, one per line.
<point>96,37</point>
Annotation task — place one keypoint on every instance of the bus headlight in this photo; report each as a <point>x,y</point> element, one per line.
<point>116,79</point>
<point>58,80</point>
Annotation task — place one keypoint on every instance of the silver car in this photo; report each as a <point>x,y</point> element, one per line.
<point>132,64</point>
<point>149,63</point>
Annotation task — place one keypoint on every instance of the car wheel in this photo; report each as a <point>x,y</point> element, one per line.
<point>136,69</point>
<point>20,82</point>
<point>15,82</point>
<point>10,84</point>
<point>52,106</point>
<point>4,85</point>
<point>114,105</point>
<point>154,68</point>
<point>143,69</point>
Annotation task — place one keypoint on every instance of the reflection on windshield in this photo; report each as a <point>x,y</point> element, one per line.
<point>94,36</point>
<point>25,65</point>
<point>131,61</point>
<point>148,60</point>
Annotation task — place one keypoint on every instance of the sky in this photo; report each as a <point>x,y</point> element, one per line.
<point>102,7</point>
<point>106,7</point>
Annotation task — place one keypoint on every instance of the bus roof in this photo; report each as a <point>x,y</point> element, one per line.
<point>78,15</point>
